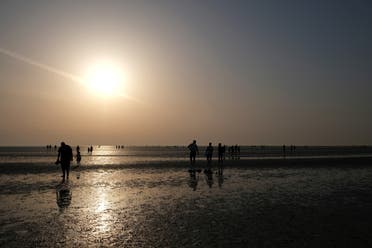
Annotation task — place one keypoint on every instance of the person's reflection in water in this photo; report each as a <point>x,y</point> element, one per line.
<point>220,176</point>
<point>63,195</point>
<point>194,179</point>
<point>209,177</point>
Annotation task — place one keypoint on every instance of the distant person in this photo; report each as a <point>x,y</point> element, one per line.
<point>64,158</point>
<point>193,151</point>
<point>232,152</point>
<point>78,157</point>
<point>237,152</point>
<point>78,149</point>
<point>221,152</point>
<point>91,149</point>
<point>209,153</point>
<point>224,151</point>
<point>88,149</point>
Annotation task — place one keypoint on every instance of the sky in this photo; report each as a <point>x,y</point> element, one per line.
<point>248,72</point>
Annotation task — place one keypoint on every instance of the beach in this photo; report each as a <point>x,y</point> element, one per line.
<point>277,202</point>
<point>191,123</point>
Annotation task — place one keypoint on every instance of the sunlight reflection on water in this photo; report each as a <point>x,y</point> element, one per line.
<point>158,207</point>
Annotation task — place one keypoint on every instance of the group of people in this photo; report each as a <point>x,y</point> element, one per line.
<point>119,147</point>
<point>50,147</point>
<point>221,150</point>
<point>90,149</point>
<point>234,151</point>
<point>65,155</point>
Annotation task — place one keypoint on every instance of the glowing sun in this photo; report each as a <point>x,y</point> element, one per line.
<point>105,79</point>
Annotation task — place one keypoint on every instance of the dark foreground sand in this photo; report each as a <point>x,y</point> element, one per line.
<point>254,204</point>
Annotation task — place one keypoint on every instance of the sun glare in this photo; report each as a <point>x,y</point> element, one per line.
<point>105,79</point>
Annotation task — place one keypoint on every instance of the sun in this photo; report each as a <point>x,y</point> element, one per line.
<point>105,79</point>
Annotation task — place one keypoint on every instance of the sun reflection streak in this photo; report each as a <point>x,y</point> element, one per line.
<point>103,215</point>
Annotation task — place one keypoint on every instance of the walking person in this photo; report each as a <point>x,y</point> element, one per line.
<point>64,158</point>
<point>78,158</point>
<point>221,158</point>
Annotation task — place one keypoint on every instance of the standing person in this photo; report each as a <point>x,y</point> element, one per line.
<point>193,151</point>
<point>64,158</point>
<point>237,151</point>
<point>221,152</point>
<point>91,149</point>
<point>209,153</point>
<point>78,157</point>
<point>232,152</point>
<point>224,152</point>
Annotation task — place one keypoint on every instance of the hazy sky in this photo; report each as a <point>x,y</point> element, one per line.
<point>248,72</point>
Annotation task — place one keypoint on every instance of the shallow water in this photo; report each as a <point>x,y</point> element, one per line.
<point>102,155</point>
<point>167,207</point>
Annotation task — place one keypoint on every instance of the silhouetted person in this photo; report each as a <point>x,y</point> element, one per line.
<point>78,149</point>
<point>91,149</point>
<point>221,153</point>
<point>232,152</point>
<point>237,152</point>
<point>193,151</point>
<point>64,158</point>
<point>209,153</point>
<point>78,157</point>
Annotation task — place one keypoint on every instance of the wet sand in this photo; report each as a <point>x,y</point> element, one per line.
<point>163,205</point>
